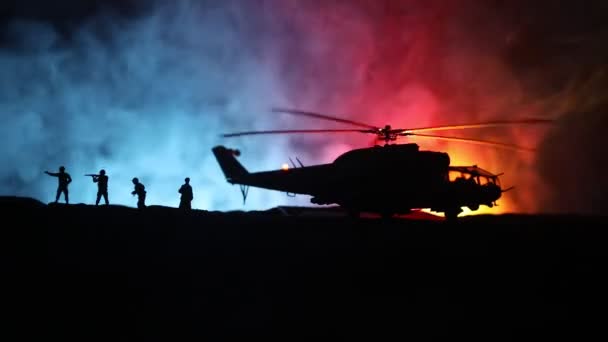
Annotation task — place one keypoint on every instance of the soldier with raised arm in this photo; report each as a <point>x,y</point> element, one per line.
<point>63,179</point>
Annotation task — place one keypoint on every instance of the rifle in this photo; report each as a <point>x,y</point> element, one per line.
<point>94,176</point>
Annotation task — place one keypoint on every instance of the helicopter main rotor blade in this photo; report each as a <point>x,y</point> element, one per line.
<point>481,125</point>
<point>291,131</point>
<point>323,116</point>
<point>473,141</point>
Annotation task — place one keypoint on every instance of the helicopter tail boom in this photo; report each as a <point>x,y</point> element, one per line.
<point>232,169</point>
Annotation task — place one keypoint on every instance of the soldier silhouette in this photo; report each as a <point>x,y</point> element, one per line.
<point>187,195</point>
<point>63,179</point>
<point>102,186</point>
<point>140,191</point>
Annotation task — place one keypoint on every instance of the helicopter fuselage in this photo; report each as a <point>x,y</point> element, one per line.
<point>390,179</point>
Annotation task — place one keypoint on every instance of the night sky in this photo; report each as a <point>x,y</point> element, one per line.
<point>145,88</point>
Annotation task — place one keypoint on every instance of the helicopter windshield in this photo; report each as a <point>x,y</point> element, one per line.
<point>472,173</point>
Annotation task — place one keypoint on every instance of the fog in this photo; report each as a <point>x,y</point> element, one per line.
<point>148,94</point>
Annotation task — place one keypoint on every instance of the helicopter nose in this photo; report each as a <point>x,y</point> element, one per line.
<point>492,193</point>
<point>495,192</point>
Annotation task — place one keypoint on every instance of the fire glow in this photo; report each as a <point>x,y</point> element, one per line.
<point>425,69</point>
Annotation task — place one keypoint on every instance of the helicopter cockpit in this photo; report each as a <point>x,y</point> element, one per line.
<point>475,185</point>
<point>473,174</point>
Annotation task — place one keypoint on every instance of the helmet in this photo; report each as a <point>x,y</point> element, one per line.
<point>135,180</point>
<point>102,172</point>
<point>61,168</point>
<point>187,179</point>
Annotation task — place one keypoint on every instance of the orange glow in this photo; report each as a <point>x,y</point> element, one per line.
<point>285,167</point>
<point>491,160</point>
<point>444,73</point>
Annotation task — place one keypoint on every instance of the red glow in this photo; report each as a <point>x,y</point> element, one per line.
<point>415,64</point>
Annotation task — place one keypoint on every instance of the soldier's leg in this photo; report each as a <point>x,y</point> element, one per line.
<point>57,195</point>
<point>67,197</point>
<point>105,197</point>
<point>98,198</point>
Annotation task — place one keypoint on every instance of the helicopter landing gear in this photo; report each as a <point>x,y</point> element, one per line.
<point>452,214</point>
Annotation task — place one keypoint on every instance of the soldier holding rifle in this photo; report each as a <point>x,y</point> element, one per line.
<point>102,185</point>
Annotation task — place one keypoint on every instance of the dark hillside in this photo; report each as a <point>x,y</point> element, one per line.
<point>116,273</point>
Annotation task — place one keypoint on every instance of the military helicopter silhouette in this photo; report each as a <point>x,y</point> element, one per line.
<point>389,179</point>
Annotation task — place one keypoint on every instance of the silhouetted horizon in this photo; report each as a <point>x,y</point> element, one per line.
<point>94,272</point>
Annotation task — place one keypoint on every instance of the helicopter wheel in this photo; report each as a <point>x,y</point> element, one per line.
<point>452,214</point>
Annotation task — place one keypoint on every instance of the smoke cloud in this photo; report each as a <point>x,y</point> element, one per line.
<point>147,94</point>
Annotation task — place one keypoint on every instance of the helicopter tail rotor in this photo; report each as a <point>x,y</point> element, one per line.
<point>232,169</point>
